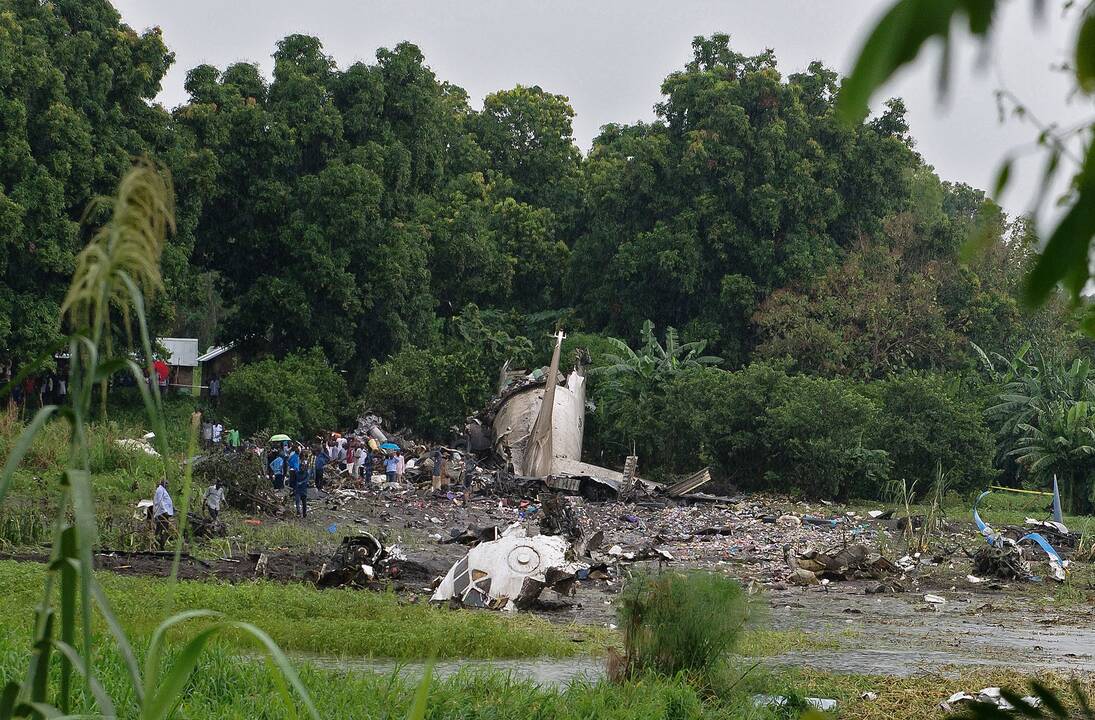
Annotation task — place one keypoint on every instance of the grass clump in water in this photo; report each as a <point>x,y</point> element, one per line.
<point>679,622</point>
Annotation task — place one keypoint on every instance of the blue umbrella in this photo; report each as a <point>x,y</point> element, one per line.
<point>389,446</point>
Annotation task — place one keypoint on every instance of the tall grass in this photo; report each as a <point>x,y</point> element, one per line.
<point>680,622</point>
<point>106,298</point>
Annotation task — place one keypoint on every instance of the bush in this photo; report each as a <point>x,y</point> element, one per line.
<point>242,474</point>
<point>429,391</point>
<point>925,423</point>
<point>676,622</point>
<point>821,440</point>
<point>300,395</point>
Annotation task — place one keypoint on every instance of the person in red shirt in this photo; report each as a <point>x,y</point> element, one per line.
<point>162,371</point>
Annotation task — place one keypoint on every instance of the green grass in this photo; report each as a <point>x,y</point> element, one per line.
<point>916,696</point>
<point>761,642</point>
<point>226,686</point>
<point>350,623</point>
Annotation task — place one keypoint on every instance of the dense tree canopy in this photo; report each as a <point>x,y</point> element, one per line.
<point>371,212</point>
<point>75,88</point>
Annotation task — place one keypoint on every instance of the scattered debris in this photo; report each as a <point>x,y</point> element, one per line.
<point>989,695</point>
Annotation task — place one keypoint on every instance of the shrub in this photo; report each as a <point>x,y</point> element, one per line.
<point>241,473</point>
<point>821,439</point>
<point>300,395</point>
<point>428,391</point>
<point>925,423</point>
<point>676,622</point>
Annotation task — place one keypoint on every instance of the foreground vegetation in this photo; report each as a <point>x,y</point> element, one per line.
<point>332,622</point>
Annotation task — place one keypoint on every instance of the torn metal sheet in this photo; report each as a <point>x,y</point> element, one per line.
<point>689,484</point>
<point>1013,565</point>
<point>510,572</point>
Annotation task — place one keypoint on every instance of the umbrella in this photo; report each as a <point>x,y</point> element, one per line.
<point>280,438</point>
<point>389,446</point>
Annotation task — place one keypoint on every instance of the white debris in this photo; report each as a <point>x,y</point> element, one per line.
<point>142,445</point>
<point>508,571</point>
<point>934,599</point>
<point>974,579</point>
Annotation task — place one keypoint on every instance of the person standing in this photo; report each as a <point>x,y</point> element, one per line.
<point>300,488</point>
<point>402,465</point>
<point>62,390</point>
<point>292,465</point>
<point>359,462</point>
<point>218,433</point>
<point>367,469</point>
<point>391,467</point>
<point>320,465</point>
<point>277,467</point>
<point>214,497</point>
<point>163,512</point>
<point>234,439</point>
<point>435,472</point>
<point>214,390</point>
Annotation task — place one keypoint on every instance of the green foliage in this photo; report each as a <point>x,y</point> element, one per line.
<point>300,395</point>
<point>674,622</point>
<point>836,457</point>
<point>762,428</point>
<point>428,390</point>
<point>120,262</point>
<point>896,41</point>
<point>77,87</point>
<point>242,474</point>
<point>1044,414</point>
<point>927,423</point>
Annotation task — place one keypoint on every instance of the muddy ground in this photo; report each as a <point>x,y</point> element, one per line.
<point>847,629</point>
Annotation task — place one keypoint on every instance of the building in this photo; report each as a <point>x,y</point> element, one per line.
<point>182,362</point>
<point>220,361</point>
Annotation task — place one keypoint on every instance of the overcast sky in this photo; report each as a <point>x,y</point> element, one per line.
<point>610,56</point>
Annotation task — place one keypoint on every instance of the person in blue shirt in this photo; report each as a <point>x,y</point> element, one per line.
<point>277,467</point>
<point>293,465</point>
<point>391,467</point>
<point>300,488</point>
<point>321,462</point>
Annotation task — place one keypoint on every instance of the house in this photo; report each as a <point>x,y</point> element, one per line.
<point>220,361</point>
<point>182,363</point>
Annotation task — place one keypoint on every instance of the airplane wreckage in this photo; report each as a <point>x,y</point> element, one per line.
<point>534,427</point>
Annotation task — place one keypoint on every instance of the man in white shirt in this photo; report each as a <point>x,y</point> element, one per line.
<point>214,497</point>
<point>218,431</point>
<point>163,511</point>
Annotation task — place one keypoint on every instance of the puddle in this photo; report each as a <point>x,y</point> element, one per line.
<point>548,671</point>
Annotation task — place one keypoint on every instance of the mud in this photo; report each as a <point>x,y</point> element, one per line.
<point>896,634</point>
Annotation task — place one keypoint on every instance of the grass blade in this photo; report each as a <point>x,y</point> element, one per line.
<point>170,690</point>
<point>155,645</point>
<point>279,658</point>
<point>97,691</point>
<point>129,659</point>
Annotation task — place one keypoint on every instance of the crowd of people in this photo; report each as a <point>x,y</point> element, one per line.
<point>36,391</point>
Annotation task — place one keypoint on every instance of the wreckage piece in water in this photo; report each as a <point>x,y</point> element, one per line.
<point>510,572</point>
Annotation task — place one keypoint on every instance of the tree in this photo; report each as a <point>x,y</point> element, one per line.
<point>300,395</point>
<point>1061,442</point>
<point>896,41</point>
<point>747,183</point>
<point>76,91</point>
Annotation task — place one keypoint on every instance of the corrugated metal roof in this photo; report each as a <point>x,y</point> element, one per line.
<point>215,352</point>
<point>183,352</point>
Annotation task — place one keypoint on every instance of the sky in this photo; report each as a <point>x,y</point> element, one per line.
<point>610,56</point>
